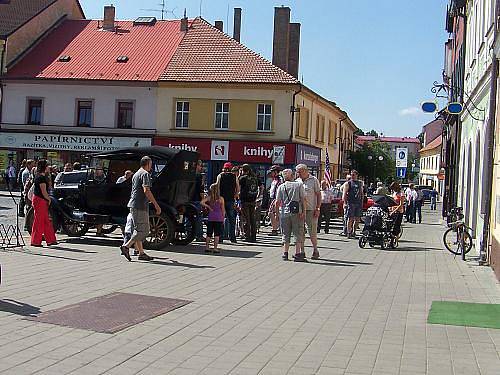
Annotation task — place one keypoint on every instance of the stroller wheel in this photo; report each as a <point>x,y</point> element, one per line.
<point>394,243</point>
<point>362,242</point>
<point>386,243</point>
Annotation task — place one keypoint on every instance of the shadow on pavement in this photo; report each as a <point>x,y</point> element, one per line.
<point>56,256</point>
<point>200,250</point>
<point>167,262</point>
<point>413,248</point>
<point>60,248</point>
<point>18,308</point>
<point>99,241</point>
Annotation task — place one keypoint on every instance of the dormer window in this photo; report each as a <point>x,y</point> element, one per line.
<point>122,59</point>
<point>64,58</point>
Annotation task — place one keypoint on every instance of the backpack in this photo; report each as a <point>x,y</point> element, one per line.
<point>252,187</point>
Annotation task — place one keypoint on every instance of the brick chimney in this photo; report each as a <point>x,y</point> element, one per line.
<point>184,22</point>
<point>237,24</point>
<point>219,25</point>
<point>108,22</point>
<point>281,38</point>
<point>294,49</point>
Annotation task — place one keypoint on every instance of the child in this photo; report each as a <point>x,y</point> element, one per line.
<point>216,213</point>
<point>127,233</point>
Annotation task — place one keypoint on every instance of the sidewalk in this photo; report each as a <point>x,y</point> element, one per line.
<point>354,311</point>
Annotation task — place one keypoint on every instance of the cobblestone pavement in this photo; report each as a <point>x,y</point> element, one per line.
<point>354,311</point>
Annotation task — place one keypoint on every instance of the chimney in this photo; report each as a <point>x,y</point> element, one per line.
<point>281,37</point>
<point>237,24</point>
<point>184,22</point>
<point>294,50</point>
<point>109,18</point>
<point>219,25</point>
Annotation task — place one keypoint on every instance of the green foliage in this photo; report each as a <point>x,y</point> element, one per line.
<point>366,162</point>
<point>372,133</point>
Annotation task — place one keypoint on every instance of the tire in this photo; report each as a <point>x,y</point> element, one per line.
<point>161,232</point>
<point>450,240</point>
<point>28,220</point>
<point>362,242</point>
<point>189,234</point>
<point>75,228</point>
<point>109,228</point>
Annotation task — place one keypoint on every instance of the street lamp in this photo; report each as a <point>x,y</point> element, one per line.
<point>379,158</point>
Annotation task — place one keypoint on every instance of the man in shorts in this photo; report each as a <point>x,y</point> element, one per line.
<point>353,203</point>
<point>138,204</point>
<point>313,205</point>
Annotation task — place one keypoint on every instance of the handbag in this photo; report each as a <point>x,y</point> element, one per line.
<point>293,206</point>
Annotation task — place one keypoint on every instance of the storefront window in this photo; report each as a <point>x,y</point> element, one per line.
<point>222,116</point>
<point>84,113</point>
<point>125,115</point>
<point>264,117</point>
<point>34,111</point>
<point>182,115</point>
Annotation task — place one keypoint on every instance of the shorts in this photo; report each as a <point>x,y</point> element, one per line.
<point>292,224</point>
<point>312,224</point>
<point>140,224</point>
<point>214,228</point>
<point>354,210</point>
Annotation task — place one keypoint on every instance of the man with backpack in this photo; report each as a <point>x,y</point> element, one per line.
<point>229,188</point>
<point>249,190</point>
<point>353,203</point>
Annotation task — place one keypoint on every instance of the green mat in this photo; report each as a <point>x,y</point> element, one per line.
<point>465,314</point>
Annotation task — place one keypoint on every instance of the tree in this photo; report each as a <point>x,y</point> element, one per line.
<point>372,133</point>
<point>367,162</point>
<point>359,132</point>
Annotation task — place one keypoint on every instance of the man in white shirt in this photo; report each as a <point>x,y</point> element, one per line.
<point>126,177</point>
<point>326,206</point>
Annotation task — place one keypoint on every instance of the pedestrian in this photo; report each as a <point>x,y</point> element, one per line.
<point>410,195</point>
<point>345,218</point>
<point>68,167</point>
<point>381,189</point>
<point>397,212</point>
<point>10,174</point>
<point>274,174</point>
<point>325,213</point>
<point>371,189</point>
<point>353,203</point>
<point>313,204</point>
<point>258,206</point>
<point>229,190</point>
<point>129,229</point>
<point>249,190</point>
<point>291,204</point>
<point>198,195</point>
<point>126,177</point>
<point>214,202</point>
<point>419,202</point>
<point>77,166</point>
<point>138,204</point>
<point>21,179</point>
<point>434,195</point>
<point>42,226</point>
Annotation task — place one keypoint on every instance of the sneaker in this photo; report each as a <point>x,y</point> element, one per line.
<point>284,256</point>
<point>299,258</point>
<point>145,256</point>
<point>315,255</point>
<point>126,252</point>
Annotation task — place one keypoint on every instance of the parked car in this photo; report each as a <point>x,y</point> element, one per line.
<point>82,199</point>
<point>426,191</point>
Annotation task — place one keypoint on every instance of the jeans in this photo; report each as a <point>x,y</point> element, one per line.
<point>433,203</point>
<point>230,221</point>
<point>198,221</point>
<point>417,211</point>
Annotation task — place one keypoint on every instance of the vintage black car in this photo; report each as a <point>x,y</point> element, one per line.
<point>91,197</point>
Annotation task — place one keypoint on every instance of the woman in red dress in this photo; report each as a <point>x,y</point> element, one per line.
<point>42,226</point>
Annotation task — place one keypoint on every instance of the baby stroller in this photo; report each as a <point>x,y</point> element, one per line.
<point>379,225</point>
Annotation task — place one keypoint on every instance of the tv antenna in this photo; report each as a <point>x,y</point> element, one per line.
<point>163,10</point>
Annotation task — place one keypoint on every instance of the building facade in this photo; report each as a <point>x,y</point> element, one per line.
<point>430,166</point>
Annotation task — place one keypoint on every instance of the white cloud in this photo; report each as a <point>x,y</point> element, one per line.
<point>411,111</point>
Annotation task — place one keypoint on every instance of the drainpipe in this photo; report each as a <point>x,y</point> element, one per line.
<point>3,50</point>
<point>491,148</point>
<point>293,110</point>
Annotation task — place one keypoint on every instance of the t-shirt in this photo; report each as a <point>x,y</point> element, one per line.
<point>274,187</point>
<point>40,179</point>
<point>288,192</point>
<point>327,196</point>
<point>434,193</point>
<point>138,198</point>
<point>25,175</point>
<point>249,188</point>
<point>355,192</point>
<point>312,187</point>
<point>227,186</point>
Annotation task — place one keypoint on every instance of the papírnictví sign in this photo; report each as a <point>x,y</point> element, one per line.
<point>65,142</point>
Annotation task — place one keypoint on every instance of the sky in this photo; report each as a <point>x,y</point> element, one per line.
<point>376,59</point>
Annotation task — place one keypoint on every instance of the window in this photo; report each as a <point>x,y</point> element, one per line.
<point>182,115</point>
<point>125,115</point>
<point>222,115</point>
<point>34,115</point>
<point>333,132</point>
<point>84,113</point>
<point>320,128</point>
<point>264,117</point>
<point>302,129</point>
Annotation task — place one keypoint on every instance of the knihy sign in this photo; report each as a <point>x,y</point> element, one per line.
<point>401,157</point>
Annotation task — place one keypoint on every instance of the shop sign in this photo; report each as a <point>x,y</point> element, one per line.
<point>73,142</point>
<point>261,152</point>
<point>202,146</point>
<point>219,150</point>
<point>310,156</point>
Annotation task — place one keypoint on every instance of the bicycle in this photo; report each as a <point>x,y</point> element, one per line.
<point>457,239</point>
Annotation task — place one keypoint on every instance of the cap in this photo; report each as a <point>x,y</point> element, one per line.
<point>275,168</point>
<point>228,165</point>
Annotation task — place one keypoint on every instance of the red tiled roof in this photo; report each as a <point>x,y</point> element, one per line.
<point>208,55</point>
<point>370,138</point>
<point>93,52</point>
<point>434,144</point>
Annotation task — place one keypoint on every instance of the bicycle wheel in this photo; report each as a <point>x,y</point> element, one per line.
<point>451,241</point>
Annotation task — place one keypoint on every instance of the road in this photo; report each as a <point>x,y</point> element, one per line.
<point>354,311</point>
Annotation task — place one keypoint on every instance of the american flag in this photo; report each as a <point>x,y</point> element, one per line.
<point>328,177</point>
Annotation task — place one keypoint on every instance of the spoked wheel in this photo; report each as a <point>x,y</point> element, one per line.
<point>451,239</point>
<point>186,231</point>
<point>74,228</point>
<point>161,232</point>
<point>362,242</point>
<point>30,217</point>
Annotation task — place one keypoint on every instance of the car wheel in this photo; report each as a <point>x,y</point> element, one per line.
<point>187,235</point>
<point>30,217</point>
<point>74,228</point>
<point>161,232</point>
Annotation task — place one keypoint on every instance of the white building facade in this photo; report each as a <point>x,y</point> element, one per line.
<point>430,166</point>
